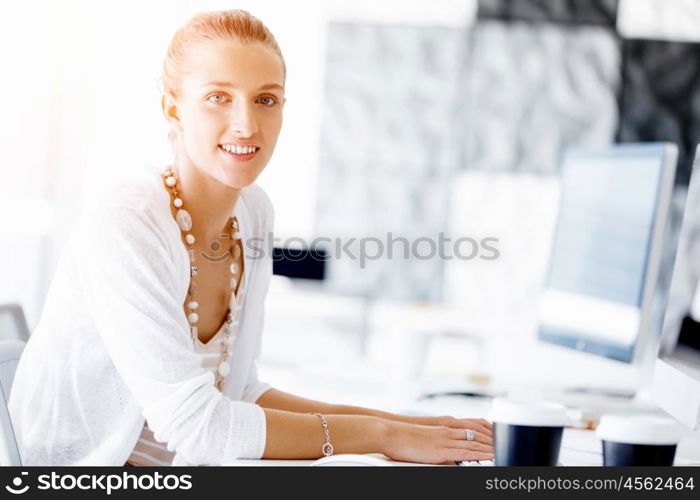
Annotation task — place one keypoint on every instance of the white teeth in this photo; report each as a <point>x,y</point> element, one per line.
<point>239,150</point>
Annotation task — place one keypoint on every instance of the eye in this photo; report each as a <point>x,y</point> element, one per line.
<point>268,100</point>
<point>217,98</point>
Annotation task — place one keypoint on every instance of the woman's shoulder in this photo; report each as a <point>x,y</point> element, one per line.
<point>140,190</point>
<point>139,199</point>
<point>130,203</point>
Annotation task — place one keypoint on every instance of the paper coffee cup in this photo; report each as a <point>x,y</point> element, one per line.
<point>527,433</point>
<point>638,439</point>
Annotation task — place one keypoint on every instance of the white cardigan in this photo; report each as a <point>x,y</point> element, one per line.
<point>112,345</point>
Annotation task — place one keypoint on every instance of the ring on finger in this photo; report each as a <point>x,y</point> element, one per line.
<point>471,435</point>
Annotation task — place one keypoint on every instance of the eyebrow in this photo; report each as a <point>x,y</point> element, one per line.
<point>268,86</point>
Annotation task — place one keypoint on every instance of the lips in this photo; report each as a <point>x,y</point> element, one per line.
<point>239,157</point>
<point>240,149</point>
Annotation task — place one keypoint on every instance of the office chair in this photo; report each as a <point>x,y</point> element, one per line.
<point>10,352</point>
<point>13,324</point>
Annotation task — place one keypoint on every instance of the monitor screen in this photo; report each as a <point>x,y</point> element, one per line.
<point>606,242</point>
<point>676,377</point>
<point>681,326</point>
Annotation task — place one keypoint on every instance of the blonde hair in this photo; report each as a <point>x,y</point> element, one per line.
<point>226,25</point>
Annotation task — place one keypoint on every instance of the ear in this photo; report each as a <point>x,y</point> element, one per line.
<point>170,110</point>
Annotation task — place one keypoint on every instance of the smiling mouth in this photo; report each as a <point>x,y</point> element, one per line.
<point>240,153</point>
<point>239,150</point>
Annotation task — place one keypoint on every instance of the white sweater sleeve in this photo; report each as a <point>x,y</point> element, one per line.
<point>254,388</point>
<point>131,291</point>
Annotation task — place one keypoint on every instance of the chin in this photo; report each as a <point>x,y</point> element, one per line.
<point>238,179</point>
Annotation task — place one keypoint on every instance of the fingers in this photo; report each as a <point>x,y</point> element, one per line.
<point>471,445</point>
<point>473,423</point>
<point>479,436</point>
<point>488,426</point>
<point>478,424</point>
<point>459,455</point>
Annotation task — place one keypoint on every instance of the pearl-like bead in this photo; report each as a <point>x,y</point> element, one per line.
<point>177,202</point>
<point>189,239</point>
<point>184,219</point>
<point>193,317</point>
<point>234,268</point>
<point>193,305</point>
<point>171,181</point>
<point>224,368</point>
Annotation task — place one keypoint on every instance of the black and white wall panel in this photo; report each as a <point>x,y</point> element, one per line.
<point>660,98</point>
<point>386,151</point>
<point>575,12</point>
<point>533,90</point>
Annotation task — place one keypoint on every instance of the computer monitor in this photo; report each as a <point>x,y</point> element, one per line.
<point>607,247</point>
<point>676,378</point>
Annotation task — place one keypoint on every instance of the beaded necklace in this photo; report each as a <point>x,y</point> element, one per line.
<point>184,222</point>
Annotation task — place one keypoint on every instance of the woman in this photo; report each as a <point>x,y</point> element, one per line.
<point>145,352</point>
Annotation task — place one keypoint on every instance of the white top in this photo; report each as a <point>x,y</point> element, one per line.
<point>113,345</point>
<point>148,452</point>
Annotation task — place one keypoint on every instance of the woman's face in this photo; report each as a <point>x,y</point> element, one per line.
<point>229,111</point>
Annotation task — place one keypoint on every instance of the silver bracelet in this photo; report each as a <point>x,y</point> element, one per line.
<point>327,448</point>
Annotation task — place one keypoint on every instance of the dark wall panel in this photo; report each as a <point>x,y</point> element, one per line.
<point>600,12</point>
<point>660,98</point>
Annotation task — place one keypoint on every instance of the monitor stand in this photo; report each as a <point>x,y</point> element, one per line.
<point>588,404</point>
<point>606,399</point>
<point>594,401</point>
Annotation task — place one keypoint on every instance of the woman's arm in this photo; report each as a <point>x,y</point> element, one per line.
<point>362,430</point>
<point>293,435</point>
<point>280,400</point>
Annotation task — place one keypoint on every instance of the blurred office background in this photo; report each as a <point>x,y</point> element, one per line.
<point>411,117</point>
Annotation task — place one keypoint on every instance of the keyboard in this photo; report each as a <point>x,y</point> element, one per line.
<point>477,463</point>
<point>487,463</point>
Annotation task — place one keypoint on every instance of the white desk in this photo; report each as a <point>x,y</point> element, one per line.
<point>579,447</point>
<point>303,463</point>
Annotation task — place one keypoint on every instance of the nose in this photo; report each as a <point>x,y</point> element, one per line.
<point>244,122</point>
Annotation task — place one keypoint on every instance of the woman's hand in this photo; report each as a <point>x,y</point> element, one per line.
<point>437,444</point>
<point>483,428</point>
